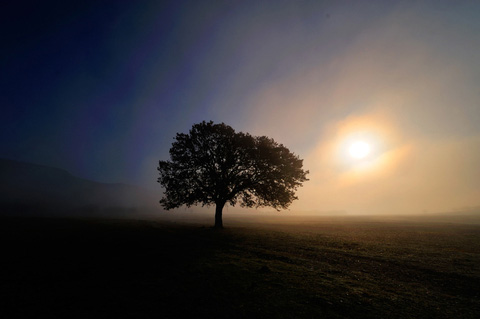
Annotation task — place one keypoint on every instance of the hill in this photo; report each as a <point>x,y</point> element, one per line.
<point>27,187</point>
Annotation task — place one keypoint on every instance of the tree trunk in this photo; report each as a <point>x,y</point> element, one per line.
<point>218,214</point>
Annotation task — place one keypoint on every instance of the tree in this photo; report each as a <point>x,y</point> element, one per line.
<point>213,164</point>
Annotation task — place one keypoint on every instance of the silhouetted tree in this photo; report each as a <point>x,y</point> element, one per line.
<point>213,164</point>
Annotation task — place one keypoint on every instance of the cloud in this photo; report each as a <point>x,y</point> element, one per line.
<point>408,175</point>
<point>403,77</point>
<point>406,83</point>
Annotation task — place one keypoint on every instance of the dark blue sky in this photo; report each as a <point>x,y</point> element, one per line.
<point>97,87</point>
<point>92,86</point>
<point>100,88</point>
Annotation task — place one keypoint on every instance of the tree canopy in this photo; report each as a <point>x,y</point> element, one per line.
<point>214,165</point>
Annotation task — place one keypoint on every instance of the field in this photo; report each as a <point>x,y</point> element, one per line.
<point>326,267</point>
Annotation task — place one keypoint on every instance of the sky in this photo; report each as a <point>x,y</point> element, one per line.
<point>100,88</point>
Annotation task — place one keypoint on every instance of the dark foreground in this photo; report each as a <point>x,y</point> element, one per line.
<point>59,268</point>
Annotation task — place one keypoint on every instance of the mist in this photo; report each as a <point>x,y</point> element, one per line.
<point>315,76</point>
<point>405,78</point>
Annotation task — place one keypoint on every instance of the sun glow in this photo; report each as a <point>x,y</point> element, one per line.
<point>359,149</point>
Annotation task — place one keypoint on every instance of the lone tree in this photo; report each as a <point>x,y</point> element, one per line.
<point>213,164</point>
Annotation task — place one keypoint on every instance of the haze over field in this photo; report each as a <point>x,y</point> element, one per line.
<point>380,98</point>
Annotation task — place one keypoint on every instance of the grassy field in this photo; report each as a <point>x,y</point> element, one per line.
<point>313,268</point>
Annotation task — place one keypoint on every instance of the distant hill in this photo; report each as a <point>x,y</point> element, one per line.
<point>32,187</point>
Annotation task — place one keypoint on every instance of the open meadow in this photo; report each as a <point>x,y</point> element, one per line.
<point>325,267</point>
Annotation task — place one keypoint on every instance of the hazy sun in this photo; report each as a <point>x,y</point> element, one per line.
<point>359,149</point>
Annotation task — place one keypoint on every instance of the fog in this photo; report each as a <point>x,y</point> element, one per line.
<point>405,80</point>
<point>400,76</point>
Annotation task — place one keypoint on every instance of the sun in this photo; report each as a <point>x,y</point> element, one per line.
<point>359,149</point>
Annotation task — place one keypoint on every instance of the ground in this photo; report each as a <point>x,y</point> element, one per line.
<point>313,268</point>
